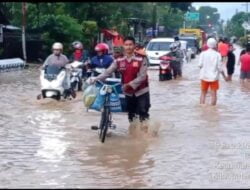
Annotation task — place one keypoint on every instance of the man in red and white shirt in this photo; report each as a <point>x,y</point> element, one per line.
<point>133,70</point>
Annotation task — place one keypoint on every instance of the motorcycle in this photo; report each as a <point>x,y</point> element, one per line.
<point>165,70</point>
<point>52,79</point>
<point>76,75</point>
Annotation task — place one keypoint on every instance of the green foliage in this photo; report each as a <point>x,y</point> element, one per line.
<point>69,21</point>
<point>243,41</point>
<point>181,6</point>
<point>234,26</point>
<point>90,31</point>
<point>62,28</point>
<point>208,15</point>
<point>209,20</point>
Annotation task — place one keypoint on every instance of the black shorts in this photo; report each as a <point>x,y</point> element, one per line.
<point>230,69</point>
<point>244,75</point>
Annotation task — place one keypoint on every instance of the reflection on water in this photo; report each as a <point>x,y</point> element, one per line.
<point>49,144</point>
<point>52,147</point>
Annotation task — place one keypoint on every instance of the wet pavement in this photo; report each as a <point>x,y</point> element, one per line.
<point>49,144</point>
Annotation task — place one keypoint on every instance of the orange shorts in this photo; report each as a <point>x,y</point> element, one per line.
<point>213,85</point>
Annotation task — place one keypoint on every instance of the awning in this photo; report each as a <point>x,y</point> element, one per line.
<point>10,27</point>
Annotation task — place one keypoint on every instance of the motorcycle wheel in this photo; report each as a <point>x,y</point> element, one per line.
<point>58,97</point>
<point>80,86</point>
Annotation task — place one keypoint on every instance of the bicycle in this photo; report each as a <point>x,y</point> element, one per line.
<point>106,118</point>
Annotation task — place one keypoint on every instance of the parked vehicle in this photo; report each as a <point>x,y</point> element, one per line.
<point>192,44</point>
<point>157,48</point>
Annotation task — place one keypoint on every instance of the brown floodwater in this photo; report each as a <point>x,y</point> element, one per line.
<point>49,144</point>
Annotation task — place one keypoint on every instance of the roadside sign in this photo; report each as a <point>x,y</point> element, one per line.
<point>149,32</point>
<point>246,25</point>
<point>192,16</point>
<point>161,28</point>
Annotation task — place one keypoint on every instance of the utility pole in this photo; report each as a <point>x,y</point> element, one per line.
<point>154,19</point>
<point>247,16</point>
<point>23,31</point>
<point>184,21</point>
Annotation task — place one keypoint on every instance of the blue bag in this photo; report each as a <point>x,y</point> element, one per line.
<point>99,101</point>
<point>115,103</point>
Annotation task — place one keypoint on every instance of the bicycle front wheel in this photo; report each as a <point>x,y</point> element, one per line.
<point>102,123</point>
<point>105,124</point>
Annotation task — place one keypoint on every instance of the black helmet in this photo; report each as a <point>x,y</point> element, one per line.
<point>176,38</point>
<point>221,39</point>
<point>248,47</point>
<point>225,39</point>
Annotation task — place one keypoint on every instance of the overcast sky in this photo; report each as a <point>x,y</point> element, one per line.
<point>226,10</point>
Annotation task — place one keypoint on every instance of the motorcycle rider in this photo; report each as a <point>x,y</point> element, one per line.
<point>59,59</point>
<point>177,41</point>
<point>183,51</point>
<point>178,56</point>
<point>80,55</point>
<point>117,52</point>
<point>140,50</point>
<point>102,59</point>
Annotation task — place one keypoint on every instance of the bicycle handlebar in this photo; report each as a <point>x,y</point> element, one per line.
<point>114,85</point>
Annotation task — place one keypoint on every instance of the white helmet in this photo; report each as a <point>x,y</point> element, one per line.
<point>174,46</point>
<point>57,45</point>
<point>77,45</point>
<point>211,43</point>
<point>178,43</point>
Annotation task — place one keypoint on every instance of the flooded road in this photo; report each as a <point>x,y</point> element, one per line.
<point>49,144</point>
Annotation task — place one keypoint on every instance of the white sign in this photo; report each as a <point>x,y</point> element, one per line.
<point>161,28</point>
<point>246,25</point>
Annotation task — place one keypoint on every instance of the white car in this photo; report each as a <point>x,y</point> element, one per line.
<point>156,48</point>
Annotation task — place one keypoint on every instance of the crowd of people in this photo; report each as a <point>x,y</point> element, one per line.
<point>215,59</point>
<point>130,62</point>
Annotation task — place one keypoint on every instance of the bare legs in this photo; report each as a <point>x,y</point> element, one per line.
<point>214,98</point>
<point>229,78</point>
<point>204,94</point>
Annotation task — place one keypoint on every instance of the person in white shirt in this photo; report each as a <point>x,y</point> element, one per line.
<point>211,66</point>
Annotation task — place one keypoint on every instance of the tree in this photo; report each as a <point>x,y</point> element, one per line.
<point>90,31</point>
<point>234,26</point>
<point>184,6</point>
<point>64,21</point>
<point>208,15</point>
<point>55,30</point>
